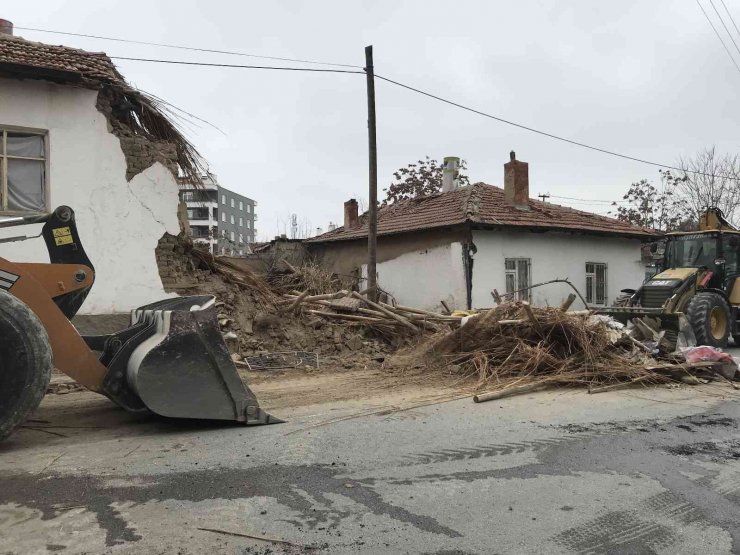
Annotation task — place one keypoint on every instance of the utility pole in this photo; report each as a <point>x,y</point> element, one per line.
<point>372,215</point>
<point>544,196</point>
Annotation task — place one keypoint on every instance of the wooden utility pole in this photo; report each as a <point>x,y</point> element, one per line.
<point>372,215</point>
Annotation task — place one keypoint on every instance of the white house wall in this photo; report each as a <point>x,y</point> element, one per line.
<point>119,222</point>
<point>553,255</point>
<point>424,277</point>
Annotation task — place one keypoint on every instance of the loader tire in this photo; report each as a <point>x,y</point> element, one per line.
<point>25,362</point>
<point>709,316</point>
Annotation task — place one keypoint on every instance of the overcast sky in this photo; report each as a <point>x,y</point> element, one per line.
<point>645,78</point>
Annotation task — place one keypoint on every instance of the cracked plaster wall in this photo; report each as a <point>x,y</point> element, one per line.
<point>120,222</point>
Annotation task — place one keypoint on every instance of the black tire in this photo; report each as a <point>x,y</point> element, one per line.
<point>705,313</point>
<point>25,362</point>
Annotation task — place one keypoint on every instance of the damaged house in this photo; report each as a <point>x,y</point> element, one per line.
<point>459,245</point>
<point>73,132</point>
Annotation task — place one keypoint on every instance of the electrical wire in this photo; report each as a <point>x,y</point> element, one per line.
<point>551,135</point>
<point>718,36</point>
<point>208,64</point>
<point>419,91</point>
<point>722,21</point>
<point>586,199</point>
<point>191,48</point>
<point>730,15</point>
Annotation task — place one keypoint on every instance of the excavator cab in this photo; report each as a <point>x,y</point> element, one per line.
<point>697,282</point>
<point>171,360</point>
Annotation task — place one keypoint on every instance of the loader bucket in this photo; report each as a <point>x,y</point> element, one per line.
<point>678,332</point>
<point>177,365</point>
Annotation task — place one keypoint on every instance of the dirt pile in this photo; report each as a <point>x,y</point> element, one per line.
<point>248,308</point>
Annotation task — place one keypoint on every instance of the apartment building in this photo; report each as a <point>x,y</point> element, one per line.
<point>220,218</point>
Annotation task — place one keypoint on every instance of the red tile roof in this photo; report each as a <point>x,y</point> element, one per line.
<point>482,205</point>
<point>90,68</point>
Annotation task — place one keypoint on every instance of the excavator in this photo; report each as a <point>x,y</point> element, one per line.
<point>698,283</point>
<point>171,360</point>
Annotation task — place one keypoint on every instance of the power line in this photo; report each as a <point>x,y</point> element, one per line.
<point>551,135</point>
<point>718,36</point>
<point>730,15</point>
<point>722,21</point>
<point>207,64</point>
<point>586,199</point>
<point>192,48</point>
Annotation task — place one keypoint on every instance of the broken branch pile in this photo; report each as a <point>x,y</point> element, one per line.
<point>354,309</point>
<point>514,348</point>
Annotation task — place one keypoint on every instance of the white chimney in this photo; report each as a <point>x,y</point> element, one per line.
<point>449,173</point>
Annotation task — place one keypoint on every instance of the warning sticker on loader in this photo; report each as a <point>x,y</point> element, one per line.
<point>62,236</point>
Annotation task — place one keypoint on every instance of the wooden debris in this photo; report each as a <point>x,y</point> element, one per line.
<point>294,306</point>
<point>387,312</point>
<point>509,392</point>
<point>620,385</point>
<point>567,302</point>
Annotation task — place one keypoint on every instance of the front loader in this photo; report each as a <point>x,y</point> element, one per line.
<point>171,360</point>
<point>698,283</point>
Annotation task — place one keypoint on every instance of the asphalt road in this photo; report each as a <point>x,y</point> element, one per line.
<point>640,471</point>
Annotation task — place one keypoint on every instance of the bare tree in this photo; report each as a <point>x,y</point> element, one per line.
<point>708,179</point>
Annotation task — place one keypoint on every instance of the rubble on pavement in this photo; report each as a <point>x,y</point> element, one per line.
<point>509,349</point>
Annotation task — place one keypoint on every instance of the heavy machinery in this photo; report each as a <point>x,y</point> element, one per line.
<point>171,360</point>
<point>698,277</point>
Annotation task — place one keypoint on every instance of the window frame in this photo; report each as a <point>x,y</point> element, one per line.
<point>515,273</point>
<point>591,292</point>
<point>4,130</point>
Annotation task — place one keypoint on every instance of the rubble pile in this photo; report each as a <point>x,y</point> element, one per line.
<point>252,315</point>
<point>515,348</point>
<point>509,349</point>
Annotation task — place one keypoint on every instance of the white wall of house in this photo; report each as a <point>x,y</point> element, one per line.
<point>553,255</point>
<point>424,277</point>
<point>120,222</point>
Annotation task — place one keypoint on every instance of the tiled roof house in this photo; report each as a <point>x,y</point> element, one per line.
<point>461,244</point>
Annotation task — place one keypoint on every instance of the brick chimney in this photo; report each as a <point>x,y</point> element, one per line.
<point>516,182</point>
<point>351,217</point>
<point>6,27</point>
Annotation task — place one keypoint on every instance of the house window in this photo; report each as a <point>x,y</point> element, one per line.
<point>232,236</point>
<point>223,217</point>
<point>596,283</point>
<point>241,222</point>
<point>188,196</point>
<point>249,208</point>
<point>518,278</point>
<point>241,239</point>
<point>232,219</point>
<point>223,199</point>
<point>232,203</point>
<point>241,205</point>
<point>22,171</point>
